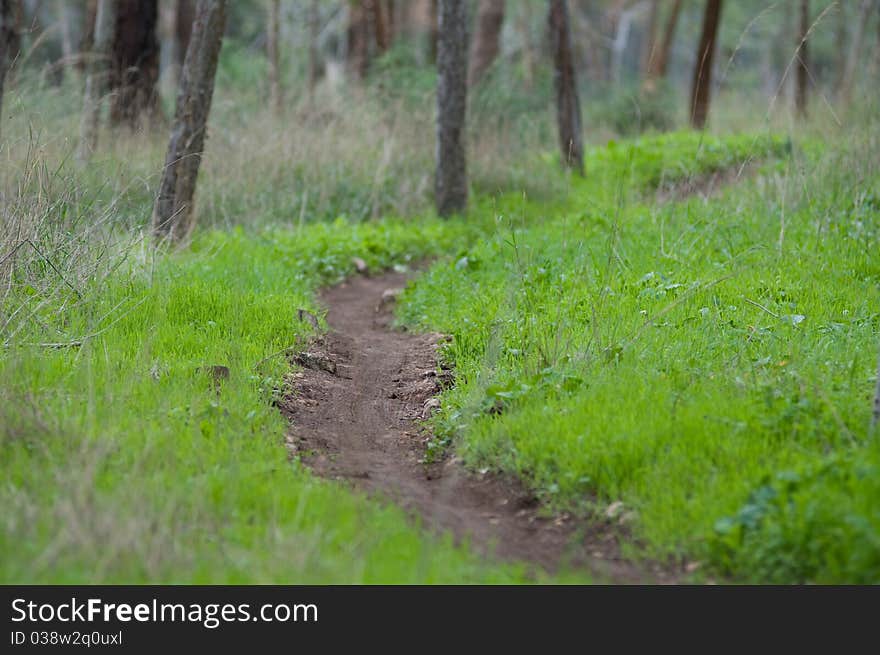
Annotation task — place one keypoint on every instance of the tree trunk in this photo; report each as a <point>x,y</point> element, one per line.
<point>876,64</point>
<point>528,48</point>
<point>69,13</point>
<point>381,24</point>
<point>702,85</point>
<point>314,64</point>
<point>176,17</point>
<point>660,60</point>
<point>172,214</point>
<point>852,61</point>
<point>273,29</point>
<point>97,78</point>
<point>568,105</point>
<point>10,24</point>
<point>452,54</point>
<point>433,30</point>
<point>802,80</point>
<point>650,43</point>
<point>87,40</point>
<point>358,39</point>
<point>623,24</point>
<point>391,11</point>
<point>135,65</point>
<point>183,22</point>
<point>484,49</point>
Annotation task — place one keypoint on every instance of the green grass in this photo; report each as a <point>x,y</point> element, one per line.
<point>709,364</point>
<point>121,464</point>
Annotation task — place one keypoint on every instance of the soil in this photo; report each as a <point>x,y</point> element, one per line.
<point>356,413</point>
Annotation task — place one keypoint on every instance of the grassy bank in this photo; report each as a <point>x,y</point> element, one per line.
<point>123,463</point>
<point>709,364</point>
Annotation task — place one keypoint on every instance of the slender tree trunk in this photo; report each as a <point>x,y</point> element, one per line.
<point>273,30</point>
<point>176,18</point>
<point>484,48</point>
<point>87,40</point>
<point>702,85</point>
<point>10,24</point>
<point>172,213</point>
<point>802,80</point>
<point>381,24</point>
<point>358,39</point>
<point>391,10</point>
<point>840,39</point>
<point>660,60</point>
<point>650,43</point>
<point>452,54</point>
<point>433,30</point>
<point>528,47</point>
<point>67,19</point>
<point>568,105</point>
<point>97,78</point>
<point>135,66</point>
<point>876,64</point>
<point>314,64</point>
<point>183,22</point>
<point>623,24</point>
<point>852,61</point>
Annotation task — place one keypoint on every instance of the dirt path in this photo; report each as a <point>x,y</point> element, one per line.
<point>360,424</point>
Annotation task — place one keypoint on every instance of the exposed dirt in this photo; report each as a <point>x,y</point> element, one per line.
<point>355,416</point>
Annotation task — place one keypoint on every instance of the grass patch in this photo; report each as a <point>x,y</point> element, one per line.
<point>122,462</point>
<point>709,364</point>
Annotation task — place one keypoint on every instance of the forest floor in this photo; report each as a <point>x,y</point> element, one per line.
<point>356,415</point>
<point>646,374</point>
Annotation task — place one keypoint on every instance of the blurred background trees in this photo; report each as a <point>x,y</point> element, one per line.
<point>626,66</point>
<point>624,51</point>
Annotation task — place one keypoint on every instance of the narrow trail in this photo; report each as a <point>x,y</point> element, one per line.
<point>360,424</point>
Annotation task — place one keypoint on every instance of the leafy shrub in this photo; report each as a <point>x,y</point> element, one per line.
<point>819,525</point>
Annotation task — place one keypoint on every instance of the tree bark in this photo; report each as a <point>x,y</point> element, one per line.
<point>391,11</point>
<point>452,53</point>
<point>358,39</point>
<point>528,48</point>
<point>273,29</point>
<point>314,64</point>
<point>650,37</point>
<point>661,62</point>
<point>10,42</point>
<point>702,85</point>
<point>381,24</point>
<point>97,78</point>
<point>568,105</point>
<point>87,39</point>
<point>623,24</point>
<point>802,79</point>
<point>485,46</point>
<point>183,22</point>
<point>852,62</point>
<point>172,213</point>
<point>135,65</point>
<point>876,64</point>
<point>69,14</point>
<point>433,30</point>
